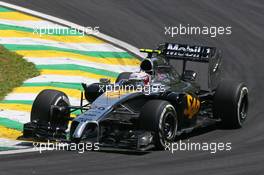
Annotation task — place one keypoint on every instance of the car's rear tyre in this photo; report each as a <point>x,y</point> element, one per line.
<point>43,110</point>
<point>231,104</point>
<point>160,117</point>
<point>123,76</point>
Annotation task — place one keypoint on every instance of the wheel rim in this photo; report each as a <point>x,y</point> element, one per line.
<point>243,106</point>
<point>169,126</point>
<point>58,118</point>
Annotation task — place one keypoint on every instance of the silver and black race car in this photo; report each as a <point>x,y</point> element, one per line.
<point>145,109</point>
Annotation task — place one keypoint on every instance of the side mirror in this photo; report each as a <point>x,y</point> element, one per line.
<point>189,75</point>
<point>104,81</point>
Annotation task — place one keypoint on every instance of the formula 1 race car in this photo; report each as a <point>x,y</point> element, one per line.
<point>146,109</point>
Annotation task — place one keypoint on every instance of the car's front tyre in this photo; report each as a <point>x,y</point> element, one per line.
<point>44,111</point>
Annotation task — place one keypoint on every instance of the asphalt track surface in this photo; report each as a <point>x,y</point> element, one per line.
<point>142,23</point>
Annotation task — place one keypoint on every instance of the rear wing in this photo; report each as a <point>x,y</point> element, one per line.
<point>194,53</point>
<point>187,52</point>
<point>184,52</point>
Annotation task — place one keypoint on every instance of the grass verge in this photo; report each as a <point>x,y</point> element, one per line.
<point>13,71</point>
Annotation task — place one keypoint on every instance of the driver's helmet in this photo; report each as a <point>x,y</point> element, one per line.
<point>141,76</point>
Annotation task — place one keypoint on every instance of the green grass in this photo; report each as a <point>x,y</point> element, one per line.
<point>13,71</point>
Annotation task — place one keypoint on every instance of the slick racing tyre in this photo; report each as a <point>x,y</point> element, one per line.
<point>160,117</point>
<point>123,76</point>
<point>43,110</point>
<point>231,104</point>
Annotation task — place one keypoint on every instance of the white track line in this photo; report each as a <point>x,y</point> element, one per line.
<point>18,151</point>
<point>104,47</point>
<point>110,39</point>
<point>60,78</point>
<point>31,24</point>
<point>32,97</point>
<point>19,116</point>
<point>60,60</point>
